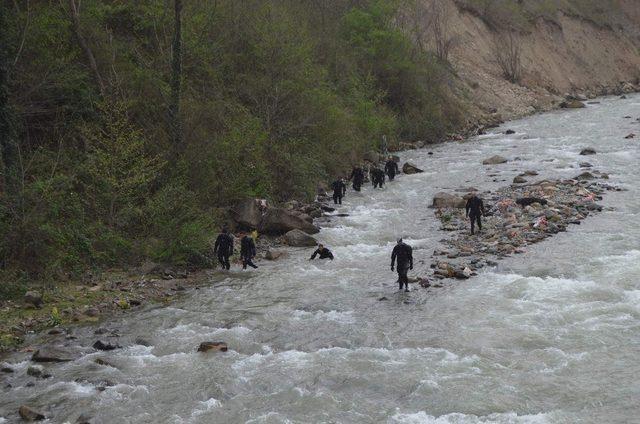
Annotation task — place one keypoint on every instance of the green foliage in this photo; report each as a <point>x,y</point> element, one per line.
<point>277,95</point>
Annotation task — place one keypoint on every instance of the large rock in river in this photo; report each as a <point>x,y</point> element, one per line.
<point>409,168</point>
<point>248,213</point>
<point>277,221</point>
<point>297,238</point>
<point>588,151</point>
<point>494,160</point>
<point>446,200</point>
<point>572,104</point>
<point>30,414</point>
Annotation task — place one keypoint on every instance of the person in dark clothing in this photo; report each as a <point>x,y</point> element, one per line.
<point>377,177</point>
<point>323,252</point>
<point>403,254</point>
<point>224,248</point>
<point>391,168</point>
<point>339,190</point>
<point>247,251</point>
<point>357,176</point>
<point>474,210</point>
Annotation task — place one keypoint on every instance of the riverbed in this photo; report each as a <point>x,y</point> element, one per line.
<point>548,336</point>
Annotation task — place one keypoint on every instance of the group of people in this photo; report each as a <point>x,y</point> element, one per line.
<point>401,256</point>
<point>357,177</point>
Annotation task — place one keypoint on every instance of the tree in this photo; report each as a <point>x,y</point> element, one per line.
<point>507,50</point>
<point>440,15</point>
<point>7,135</point>
<point>176,76</point>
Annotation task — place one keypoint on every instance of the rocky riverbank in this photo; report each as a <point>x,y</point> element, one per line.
<point>517,216</point>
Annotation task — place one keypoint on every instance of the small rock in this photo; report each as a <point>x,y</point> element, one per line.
<point>509,132</point>
<point>30,414</point>
<point>142,342</point>
<point>34,298</point>
<point>213,346</point>
<point>409,168</point>
<point>383,298</point>
<point>572,104</point>
<point>588,151</point>
<point>102,362</point>
<point>585,165</point>
<point>494,160</point>
<point>6,369</point>
<point>92,312</point>
<point>632,135</point>
<point>585,176</point>
<point>35,370</point>
<point>100,345</point>
<point>298,238</point>
<point>51,354</point>
<point>83,419</point>
<point>519,180</point>
<point>275,254</point>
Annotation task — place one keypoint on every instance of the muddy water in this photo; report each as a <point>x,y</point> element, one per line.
<point>550,336</point>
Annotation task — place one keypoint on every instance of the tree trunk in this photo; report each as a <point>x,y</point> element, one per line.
<point>8,151</point>
<point>75,21</point>
<point>176,76</point>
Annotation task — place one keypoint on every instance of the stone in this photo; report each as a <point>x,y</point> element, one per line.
<point>29,414</point>
<point>632,135</point>
<point>529,173</point>
<point>585,176</point>
<point>51,354</point>
<point>6,369</point>
<point>326,208</point>
<point>526,201</point>
<point>275,254</point>
<point>213,346</point>
<point>519,180</point>
<point>100,345</point>
<point>84,419</point>
<point>509,132</point>
<point>572,104</point>
<point>248,213</point>
<point>33,298</point>
<point>92,312</point>
<point>588,151</point>
<point>277,221</point>
<point>447,200</point>
<point>35,371</point>
<point>495,160</point>
<point>102,362</point>
<point>298,238</point>
<point>409,168</point>
<point>371,156</point>
<point>585,165</point>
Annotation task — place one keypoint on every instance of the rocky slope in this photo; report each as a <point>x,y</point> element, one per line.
<point>568,55</point>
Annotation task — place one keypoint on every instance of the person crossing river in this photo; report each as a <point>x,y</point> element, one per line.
<point>403,254</point>
<point>357,176</point>
<point>339,190</point>
<point>224,248</point>
<point>391,168</point>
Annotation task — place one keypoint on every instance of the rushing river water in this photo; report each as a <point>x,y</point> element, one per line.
<point>550,336</point>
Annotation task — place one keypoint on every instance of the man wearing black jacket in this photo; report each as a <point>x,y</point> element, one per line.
<point>247,251</point>
<point>323,252</point>
<point>403,253</point>
<point>391,168</point>
<point>357,175</point>
<point>224,248</point>
<point>339,190</point>
<point>474,210</point>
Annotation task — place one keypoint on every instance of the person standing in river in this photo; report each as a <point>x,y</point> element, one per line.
<point>403,254</point>
<point>339,190</point>
<point>391,168</point>
<point>474,210</point>
<point>377,177</point>
<point>323,252</point>
<point>223,248</point>
<point>247,251</point>
<point>357,176</point>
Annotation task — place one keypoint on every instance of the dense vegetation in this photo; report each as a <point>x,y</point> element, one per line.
<point>276,95</point>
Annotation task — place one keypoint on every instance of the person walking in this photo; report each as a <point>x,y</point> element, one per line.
<point>339,190</point>
<point>224,248</point>
<point>474,210</point>
<point>403,255</point>
<point>247,251</point>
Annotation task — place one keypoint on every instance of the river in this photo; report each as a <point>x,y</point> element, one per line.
<point>549,336</point>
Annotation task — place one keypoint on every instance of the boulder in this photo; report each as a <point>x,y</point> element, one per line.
<point>588,151</point>
<point>51,354</point>
<point>277,221</point>
<point>572,104</point>
<point>409,168</point>
<point>35,371</point>
<point>494,160</point>
<point>371,156</point>
<point>30,414</point>
<point>585,176</point>
<point>33,298</point>
<point>213,347</point>
<point>100,345</point>
<point>298,238</point>
<point>447,200</point>
<point>519,180</point>
<point>275,254</point>
<point>248,213</point>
